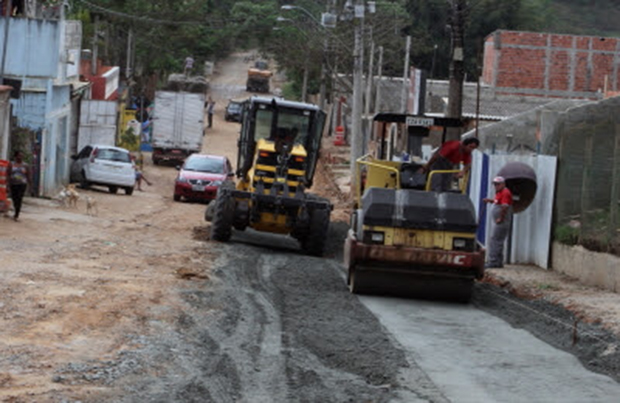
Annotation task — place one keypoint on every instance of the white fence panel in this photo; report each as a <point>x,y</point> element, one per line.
<point>530,240</point>
<point>97,123</point>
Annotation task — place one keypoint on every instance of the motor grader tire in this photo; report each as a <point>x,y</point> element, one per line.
<point>223,216</point>
<point>314,243</point>
<point>209,211</point>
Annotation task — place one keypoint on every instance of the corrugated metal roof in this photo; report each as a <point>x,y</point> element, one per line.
<point>492,106</point>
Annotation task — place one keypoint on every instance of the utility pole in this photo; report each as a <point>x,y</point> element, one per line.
<point>93,62</point>
<point>356,114</point>
<point>370,78</point>
<point>322,90</point>
<point>379,81</point>
<point>129,47</point>
<point>403,97</point>
<point>367,127</point>
<point>457,71</point>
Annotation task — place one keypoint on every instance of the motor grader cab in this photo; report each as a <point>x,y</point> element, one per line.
<point>405,239</point>
<point>278,151</point>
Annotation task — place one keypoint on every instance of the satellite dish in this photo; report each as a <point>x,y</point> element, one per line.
<point>521,180</point>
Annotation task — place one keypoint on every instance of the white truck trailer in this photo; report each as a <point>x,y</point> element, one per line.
<point>178,125</point>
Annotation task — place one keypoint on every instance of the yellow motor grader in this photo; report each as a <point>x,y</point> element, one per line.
<point>405,239</point>
<point>278,151</point>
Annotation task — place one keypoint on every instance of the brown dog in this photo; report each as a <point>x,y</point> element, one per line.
<point>72,195</point>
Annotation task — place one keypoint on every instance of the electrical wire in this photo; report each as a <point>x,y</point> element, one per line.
<point>119,14</point>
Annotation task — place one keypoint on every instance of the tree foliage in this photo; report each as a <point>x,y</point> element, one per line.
<point>166,31</point>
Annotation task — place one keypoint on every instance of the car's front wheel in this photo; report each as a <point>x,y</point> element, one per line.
<point>113,189</point>
<point>176,197</point>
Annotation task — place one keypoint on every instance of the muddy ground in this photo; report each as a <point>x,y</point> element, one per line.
<point>135,304</point>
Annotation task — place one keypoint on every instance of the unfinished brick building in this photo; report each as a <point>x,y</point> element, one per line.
<point>551,65</point>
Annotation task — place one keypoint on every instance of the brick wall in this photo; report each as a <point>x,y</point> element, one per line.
<point>542,64</point>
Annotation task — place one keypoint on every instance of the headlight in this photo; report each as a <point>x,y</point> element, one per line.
<point>464,244</point>
<point>216,183</point>
<point>377,237</point>
<point>181,179</point>
<point>459,243</point>
<point>374,237</point>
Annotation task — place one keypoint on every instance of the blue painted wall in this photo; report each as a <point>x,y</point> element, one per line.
<point>33,56</point>
<point>33,47</point>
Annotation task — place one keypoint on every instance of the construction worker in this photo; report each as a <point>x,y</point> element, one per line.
<point>448,157</point>
<point>501,213</point>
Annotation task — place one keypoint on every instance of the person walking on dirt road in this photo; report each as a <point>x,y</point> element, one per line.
<point>501,213</point>
<point>210,109</point>
<point>18,181</point>
<point>138,164</point>
<point>450,154</point>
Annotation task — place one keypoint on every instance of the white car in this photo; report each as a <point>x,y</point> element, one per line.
<point>104,166</point>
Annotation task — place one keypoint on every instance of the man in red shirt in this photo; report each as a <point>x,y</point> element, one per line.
<point>502,215</point>
<point>448,157</point>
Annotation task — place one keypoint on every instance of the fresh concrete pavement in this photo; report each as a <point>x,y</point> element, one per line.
<point>472,356</point>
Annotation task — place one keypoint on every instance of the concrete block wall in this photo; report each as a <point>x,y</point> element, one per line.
<point>591,268</point>
<point>543,64</point>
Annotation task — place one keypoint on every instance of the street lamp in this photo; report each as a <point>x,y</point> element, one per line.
<point>327,21</point>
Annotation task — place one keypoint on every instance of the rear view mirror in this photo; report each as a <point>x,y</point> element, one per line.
<point>230,174</point>
<point>178,167</point>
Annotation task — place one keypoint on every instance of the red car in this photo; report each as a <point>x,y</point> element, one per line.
<point>200,176</point>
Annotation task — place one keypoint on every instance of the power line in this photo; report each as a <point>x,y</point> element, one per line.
<point>119,14</point>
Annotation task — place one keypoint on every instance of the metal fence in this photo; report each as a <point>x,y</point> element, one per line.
<point>588,187</point>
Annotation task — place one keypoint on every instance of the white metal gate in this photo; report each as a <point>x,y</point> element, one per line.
<point>98,120</point>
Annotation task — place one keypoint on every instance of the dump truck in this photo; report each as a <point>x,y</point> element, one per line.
<point>178,119</point>
<point>405,239</point>
<point>278,151</point>
<point>258,77</point>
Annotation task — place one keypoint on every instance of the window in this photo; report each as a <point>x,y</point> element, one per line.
<point>111,154</point>
<point>211,165</point>
<point>293,123</point>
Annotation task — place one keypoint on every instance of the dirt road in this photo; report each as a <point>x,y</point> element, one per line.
<point>121,305</point>
<point>135,304</point>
